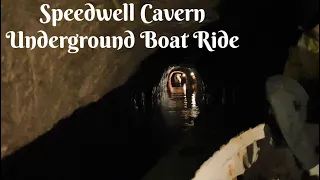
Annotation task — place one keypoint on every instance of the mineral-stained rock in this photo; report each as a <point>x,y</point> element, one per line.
<point>40,86</point>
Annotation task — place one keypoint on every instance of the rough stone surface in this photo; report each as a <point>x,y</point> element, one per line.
<point>40,86</point>
<point>303,62</point>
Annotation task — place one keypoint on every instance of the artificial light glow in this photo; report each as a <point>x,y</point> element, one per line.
<point>179,78</point>
<point>192,74</point>
<point>183,75</point>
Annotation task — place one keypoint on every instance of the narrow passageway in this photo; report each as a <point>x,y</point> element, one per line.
<point>193,128</point>
<point>179,96</point>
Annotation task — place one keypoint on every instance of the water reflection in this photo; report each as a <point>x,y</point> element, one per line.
<point>178,97</point>
<point>180,109</point>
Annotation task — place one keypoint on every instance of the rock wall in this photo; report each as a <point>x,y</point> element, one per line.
<point>303,62</point>
<point>40,86</point>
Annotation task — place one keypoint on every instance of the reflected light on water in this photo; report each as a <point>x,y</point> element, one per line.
<point>193,100</point>
<point>180,109</point>
<point>194,110</point>
<point>185,101</point>
<point>179,106</point>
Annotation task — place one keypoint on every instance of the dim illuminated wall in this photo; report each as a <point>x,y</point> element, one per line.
<point>303,62</point>
<point>41,86</point>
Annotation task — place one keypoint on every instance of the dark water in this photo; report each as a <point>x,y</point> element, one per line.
<point>180,109</point>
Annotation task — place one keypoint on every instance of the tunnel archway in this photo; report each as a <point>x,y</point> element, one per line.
<point>176,78</point>
<point>179,96</point>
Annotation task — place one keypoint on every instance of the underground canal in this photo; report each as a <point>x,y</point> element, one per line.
<point>162,124</point>
<point>179,96</point>
<point>157,124</point>
<point>177,109</point>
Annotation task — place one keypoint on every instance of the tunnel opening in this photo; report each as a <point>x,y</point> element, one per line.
<point>179,97</point>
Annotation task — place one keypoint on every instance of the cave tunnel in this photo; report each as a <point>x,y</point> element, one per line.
<point>179,96</point>
<point>179,104</point>
<point>142,121</point>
